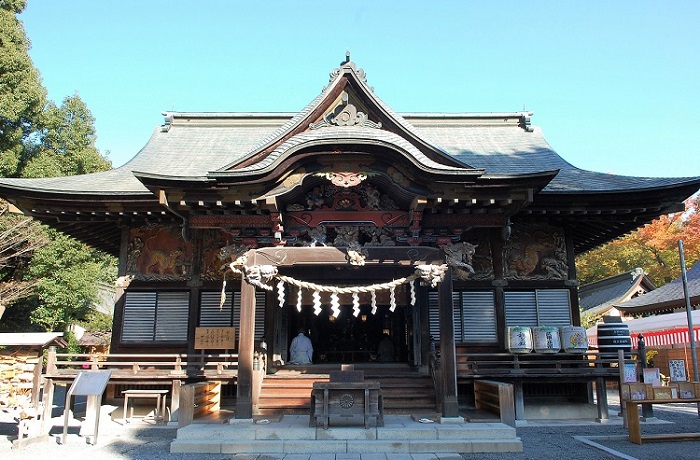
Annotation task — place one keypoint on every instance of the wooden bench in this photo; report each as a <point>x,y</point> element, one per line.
<point>346,399</point>
<point>635,431</point>
<point>495,397</point>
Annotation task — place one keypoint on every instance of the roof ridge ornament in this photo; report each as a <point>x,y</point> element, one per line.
<point>345,114</point>
<point>524,122</point>
<point>347,64</point>
<point>168,123</point>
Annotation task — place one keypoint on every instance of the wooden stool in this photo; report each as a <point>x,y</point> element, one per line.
<point>158,395</point>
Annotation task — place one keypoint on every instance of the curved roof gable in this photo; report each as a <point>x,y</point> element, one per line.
<point>600,296</point>
<point>346,112</point>
<point>668,296</point>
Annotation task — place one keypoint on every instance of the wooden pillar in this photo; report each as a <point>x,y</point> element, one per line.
<point>47,394</point>
<point>246,345</point>
<point>424,304</point>
<point>450,406</point>
<point>36,381</point>
<point>195,285</point>
<point>417,335</point>
<point>175,390</point>
<point>519,399</point>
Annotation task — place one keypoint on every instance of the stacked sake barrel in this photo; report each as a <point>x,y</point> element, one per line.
<point>547,339</point>
<point>613,336</point>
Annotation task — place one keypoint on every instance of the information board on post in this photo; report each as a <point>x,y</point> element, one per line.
<point>91,384</point>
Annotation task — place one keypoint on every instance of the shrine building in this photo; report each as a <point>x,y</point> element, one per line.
<point>349,221</point>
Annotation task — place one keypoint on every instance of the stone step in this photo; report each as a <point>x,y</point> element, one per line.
<point>340,447</point>
<point>292,434</point>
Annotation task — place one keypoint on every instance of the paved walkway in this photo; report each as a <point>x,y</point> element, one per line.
<point>542,440</point>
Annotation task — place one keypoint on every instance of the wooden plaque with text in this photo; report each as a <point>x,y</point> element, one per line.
<point>215,338</point>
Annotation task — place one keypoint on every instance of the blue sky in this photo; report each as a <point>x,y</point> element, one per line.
<point>614,85</point>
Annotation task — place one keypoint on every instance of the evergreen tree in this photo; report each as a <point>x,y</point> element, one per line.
<point>22,97</point>
<point>47,280</point>
<point>66,144</point>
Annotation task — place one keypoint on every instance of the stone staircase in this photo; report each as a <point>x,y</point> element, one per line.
<point>292,434</point>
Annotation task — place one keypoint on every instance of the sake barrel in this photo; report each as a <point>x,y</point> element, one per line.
<point>574,339</point>
<point>519,339</point>
<point>546,339</point>
<point>613,337</point>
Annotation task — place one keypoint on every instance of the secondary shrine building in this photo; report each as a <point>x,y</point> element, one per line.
<point>349,221</point>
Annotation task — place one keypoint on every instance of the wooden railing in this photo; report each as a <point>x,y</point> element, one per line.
<point>139,370</point>
<point>490,365</point>
<point>495,397</point>
<point>130,366</point>
<point>198,400</point>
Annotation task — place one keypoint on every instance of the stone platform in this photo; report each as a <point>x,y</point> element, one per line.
<point>292,434</point>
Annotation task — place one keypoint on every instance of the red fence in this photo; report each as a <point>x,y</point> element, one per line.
<point>658,338</point>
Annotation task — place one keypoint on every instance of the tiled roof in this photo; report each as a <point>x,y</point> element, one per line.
<point>512,150</point>
<point>600,296</point>
<point>195,150</point>
<point>668,296</point>
<point>192,145</point>
<point>351,133</point>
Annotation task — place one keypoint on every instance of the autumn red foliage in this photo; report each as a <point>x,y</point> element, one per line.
<point>653,247</point>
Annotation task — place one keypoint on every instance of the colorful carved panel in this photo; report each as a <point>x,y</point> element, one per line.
<point>330,210</point>
<point>217,248</point>
<point>159,254</point>
<point>535,253</point>
<point>470,260</point>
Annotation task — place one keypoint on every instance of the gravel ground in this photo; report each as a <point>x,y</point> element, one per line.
<point>541,440</point>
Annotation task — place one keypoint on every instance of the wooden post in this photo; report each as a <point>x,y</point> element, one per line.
<point>246,345</point>
<point>417,336</point>
<point>448,353</point>
<point>36,381</point>
<point>175,389</point>
<point>47,393</point>
<point>602,395</point>
<point>426,341</point>
<point>519,399</point>
<point>47,400</point>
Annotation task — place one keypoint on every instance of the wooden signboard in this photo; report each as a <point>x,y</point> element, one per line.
<point>688,390</point>
<point>677,370</point>
<point>215,338</point>
<point>636,391</point>
<point>653,376</point>
<point>630,373</point>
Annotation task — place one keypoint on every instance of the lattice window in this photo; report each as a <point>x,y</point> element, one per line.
<point>541,307</point>
<point>474,316</point>
<point>230,313</point>
<point>154,316</point>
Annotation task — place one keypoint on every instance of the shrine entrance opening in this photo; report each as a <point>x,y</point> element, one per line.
<point>348,338</point>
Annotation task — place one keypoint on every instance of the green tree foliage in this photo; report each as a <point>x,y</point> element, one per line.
<point>22,97</point>
<point>53,278</point>
<point>68,274</point>
<point>654,248</point>
<point>66,144</point>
